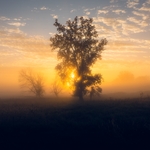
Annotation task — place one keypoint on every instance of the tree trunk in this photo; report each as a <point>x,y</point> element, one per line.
<point>80,92</point>
<point>81,96</point>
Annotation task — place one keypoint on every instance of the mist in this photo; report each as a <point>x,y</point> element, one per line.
<point>124,85</point>
<point>127,85</point>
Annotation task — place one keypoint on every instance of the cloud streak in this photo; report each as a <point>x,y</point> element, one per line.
<point>3,18</point>
<point>119,11</point>
<point>34,49</point>
<point>17,24</point>
<point>132,3</point>
<point>54,16</point>
<point>43,8</point>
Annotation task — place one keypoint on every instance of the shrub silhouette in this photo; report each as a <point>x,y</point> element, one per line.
<point>32,81</point>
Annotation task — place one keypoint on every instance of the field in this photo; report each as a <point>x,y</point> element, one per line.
<point>31,123</point>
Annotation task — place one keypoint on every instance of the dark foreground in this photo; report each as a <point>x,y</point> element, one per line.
<point>103,124</point>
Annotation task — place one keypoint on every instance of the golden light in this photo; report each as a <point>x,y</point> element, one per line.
<point>68,84</point>
<point>72,75</point>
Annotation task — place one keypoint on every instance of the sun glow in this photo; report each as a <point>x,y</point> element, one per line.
<point>72,75</point>
<point>70,79</point>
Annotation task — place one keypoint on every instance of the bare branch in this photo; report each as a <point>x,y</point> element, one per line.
<point>31,81</point>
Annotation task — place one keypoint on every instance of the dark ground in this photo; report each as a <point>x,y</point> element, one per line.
<point>101,124</point>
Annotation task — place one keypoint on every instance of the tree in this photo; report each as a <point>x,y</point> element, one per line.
<point>56,87</point>
<point>78,49</point>
<point>32,81</point>
<point>95,90</point>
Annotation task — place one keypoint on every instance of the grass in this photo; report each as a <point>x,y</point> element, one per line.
<point>50,122</point>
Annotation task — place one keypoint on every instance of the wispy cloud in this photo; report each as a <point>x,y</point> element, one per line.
<point>144,16</point>
<point>115,28</point>
<point>129,29</point>
<point>87,13</point>
<point>3,18</point>
<point>17,24</point>
<point>17,19</point>
<point>119,11</point>
<point>51,33</point>
<point>138,22</point>
<point>103,11</point>
<point>86,9</point>
<point>35,9</point>
<point>54,16</point>
<point>89,9</point>
<point>34,49</point>
<point>13,31</point>
<point>132,3</point>
<point>73,10</point>
<point>137,13</point>
<point>43,8</point>
<point>145,8</point>
<point>132,19</point>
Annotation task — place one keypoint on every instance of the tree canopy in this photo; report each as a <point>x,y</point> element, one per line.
<point>78,48</point>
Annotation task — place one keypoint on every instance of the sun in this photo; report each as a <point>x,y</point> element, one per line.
<point>70,79</point>
<point>72,75</point>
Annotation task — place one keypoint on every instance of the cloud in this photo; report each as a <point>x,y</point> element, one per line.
<point>128,29</point>
<point>13,31</point>
<point>85,17</point>
<point>73,10</point>
<point>54,16</point>
<point>132,3</point>
<point>86,9</point>
<point>30,46</point>
<point>129,44</point>
<point>35,9</point>
<point>103,11</point>
<point>51,34</point>
<point>113,29</point>
<point>17,19</point>
<point>17,24</point>
<point>143,24</point>
<point>118,11</point>
<point>109,27</point>
<point>43,8</point>
<point>144,8</point>
<point>33,49</point>
<point>137,13</point>
<point>3,18</point>
<point>88,13</point>
<point>144,16</point>
<point>112,22</point>
<point>118,26</point>
<point>89,9</point>
<point>148,2</point>
<point>138,22</point>
<point>132,19</point>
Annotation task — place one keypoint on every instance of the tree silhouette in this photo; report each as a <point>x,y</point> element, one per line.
<point>78,49</point>
<point>56,87</point>
<point>95,90</point>
<point>32,81</point>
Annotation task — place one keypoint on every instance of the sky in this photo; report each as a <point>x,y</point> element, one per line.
<point>26,26</point>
